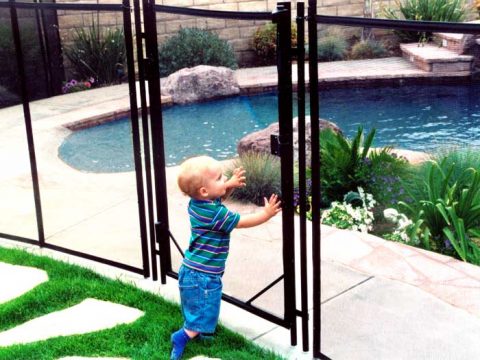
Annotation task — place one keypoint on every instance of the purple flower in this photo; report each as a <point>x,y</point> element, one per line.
<point>447,244</point>
<point>73,82</point>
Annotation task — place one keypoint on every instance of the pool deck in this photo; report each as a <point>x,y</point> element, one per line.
<point>379,299</point>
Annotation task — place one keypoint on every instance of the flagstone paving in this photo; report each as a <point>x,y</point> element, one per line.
<point>17,280</point>
<point>88,316</point>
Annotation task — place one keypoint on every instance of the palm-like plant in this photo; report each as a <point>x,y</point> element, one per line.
<point>426,10</point>
<point>449,210</point>
<point>343,162</point>
<point>98,54</point>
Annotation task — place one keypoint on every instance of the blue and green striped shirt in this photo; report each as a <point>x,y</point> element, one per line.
<point>211,224</point>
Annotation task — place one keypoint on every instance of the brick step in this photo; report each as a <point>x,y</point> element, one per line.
<point>453,41</point>
<point>450,41</point>
<point>430,57</point>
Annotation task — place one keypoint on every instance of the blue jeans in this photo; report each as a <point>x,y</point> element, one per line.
<point>201,295</point>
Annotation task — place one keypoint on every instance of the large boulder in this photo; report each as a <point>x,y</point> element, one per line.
<point>470,45</point>
<point>259,141</point>
<point>200,83</point>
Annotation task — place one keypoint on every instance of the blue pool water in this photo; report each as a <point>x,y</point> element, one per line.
<point>410,117</point>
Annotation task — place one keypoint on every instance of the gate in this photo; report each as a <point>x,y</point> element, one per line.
<point>165,236</point>
<point>282,145</point>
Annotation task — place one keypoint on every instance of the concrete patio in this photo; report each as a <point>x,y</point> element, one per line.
<point>379,299</point>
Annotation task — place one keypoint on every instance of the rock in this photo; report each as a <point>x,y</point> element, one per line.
<point>470,45</point>
<point>259,141</point>
<point>200,83</point>
<point>413,157</point>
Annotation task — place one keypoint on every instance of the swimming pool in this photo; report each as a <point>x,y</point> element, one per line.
<point>410,117</point>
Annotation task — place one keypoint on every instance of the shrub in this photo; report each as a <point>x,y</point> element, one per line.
<point>343,163</point>
<point>332,48</point>
<point>387,174</point>
<point>9,77</point>
<point>447,209</point>
<point>98,54</point>
<point>349,164</point>
<point>265,43</point>
<point>263,177</point>
<point>426,10</point>
<point>368,49</point>
<point>191,47</point>
<point>455,159</point>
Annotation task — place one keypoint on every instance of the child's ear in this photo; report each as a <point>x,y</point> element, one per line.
<point>203,192</point>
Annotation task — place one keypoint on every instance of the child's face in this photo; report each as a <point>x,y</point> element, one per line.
<point>214,186</point>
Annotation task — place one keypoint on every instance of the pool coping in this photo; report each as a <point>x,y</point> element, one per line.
<point>393,71</point>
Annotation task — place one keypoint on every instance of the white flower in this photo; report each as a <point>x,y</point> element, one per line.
<point>391,214</point>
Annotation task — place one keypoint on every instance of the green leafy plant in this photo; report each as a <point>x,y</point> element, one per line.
<point>98,54</point>
<point>263,177</point>
<point>332,48</point>
<point>9,76</point>
<point>191,47</point>
<point>447,208</point>
<point>265,43</point>
<point>460,238</point>
<point>347,164</point>
<point>368,49</point>
<point>426,10</point>
<point>343,162</point>
<point>387,174</point>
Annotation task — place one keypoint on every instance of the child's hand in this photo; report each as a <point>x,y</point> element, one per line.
<point>272,206</point>
<point>238,178</point>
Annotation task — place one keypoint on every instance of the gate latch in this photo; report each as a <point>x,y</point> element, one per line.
<point>275,145</point>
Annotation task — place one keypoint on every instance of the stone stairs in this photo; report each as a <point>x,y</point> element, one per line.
<point>445,54</point>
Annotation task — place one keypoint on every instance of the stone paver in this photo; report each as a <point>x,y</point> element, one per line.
<point>17,280</point>
<point>391,320</point>
<point>455,282</point>
<point>88,316</point>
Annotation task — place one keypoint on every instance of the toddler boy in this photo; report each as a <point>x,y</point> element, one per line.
<point>200,276</point>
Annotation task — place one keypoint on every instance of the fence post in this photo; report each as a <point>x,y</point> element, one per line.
<point>282,17</point>
<point>315,166</point>
<point>156,122</point>
<point>28,121</point>
<point>302,181</point>
<point>137,147</point>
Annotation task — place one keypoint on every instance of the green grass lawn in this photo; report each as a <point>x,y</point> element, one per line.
<point>146,338</point>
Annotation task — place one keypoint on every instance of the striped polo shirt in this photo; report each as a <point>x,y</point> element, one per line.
<point>211,224</point>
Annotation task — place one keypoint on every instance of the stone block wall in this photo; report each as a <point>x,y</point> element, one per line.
<point>238,33</point>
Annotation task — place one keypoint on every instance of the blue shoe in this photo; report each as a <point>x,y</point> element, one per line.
<point>179,340</point>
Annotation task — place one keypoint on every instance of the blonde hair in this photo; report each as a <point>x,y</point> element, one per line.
<point>192,174</point>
